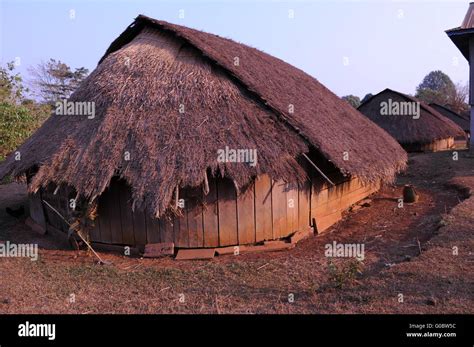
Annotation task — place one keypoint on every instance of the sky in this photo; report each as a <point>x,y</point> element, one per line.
<point>352,47</point>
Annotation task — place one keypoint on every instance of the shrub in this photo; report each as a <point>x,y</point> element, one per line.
<point>18,122</point>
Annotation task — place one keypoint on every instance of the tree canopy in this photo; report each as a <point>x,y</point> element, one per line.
<point>437,87</point>
<point>54,80</point>
<point>353,100</point>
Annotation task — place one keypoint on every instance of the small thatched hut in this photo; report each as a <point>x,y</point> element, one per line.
<point>462,121</point>
<point>168,100</point>
<point>415,125</point>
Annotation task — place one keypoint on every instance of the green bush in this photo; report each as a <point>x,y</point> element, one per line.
<point>18,122</point>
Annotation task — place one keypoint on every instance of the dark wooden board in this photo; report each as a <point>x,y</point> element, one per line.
<point>139,226</point>
<point>167,229</point>
<point>125,198</point>
<point>113,212</point>
<point>36,209</point>
<point>153,231</point>
<point>194,215</point>
<point>103,218</point>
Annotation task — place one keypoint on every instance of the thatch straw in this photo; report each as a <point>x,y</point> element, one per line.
<point>429,127</point>
<point>155,68</point>
<point>463,122</point>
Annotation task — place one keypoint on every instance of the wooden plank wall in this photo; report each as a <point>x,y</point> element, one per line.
<point>265,210</point>
<point>37,212</point>
<point>327,203</point>
<point>60,202</point>
<point>435,146</point>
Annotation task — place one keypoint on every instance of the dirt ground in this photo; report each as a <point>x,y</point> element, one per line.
<point>418,259</point>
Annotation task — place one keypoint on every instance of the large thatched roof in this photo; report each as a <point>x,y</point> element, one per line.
<point>429,127</point>
<point>455,117</point>
<point>153,70</point>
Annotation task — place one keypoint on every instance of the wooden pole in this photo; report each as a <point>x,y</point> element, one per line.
<point>319,170</point>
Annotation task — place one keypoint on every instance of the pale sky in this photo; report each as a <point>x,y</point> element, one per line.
<point>352,47</point>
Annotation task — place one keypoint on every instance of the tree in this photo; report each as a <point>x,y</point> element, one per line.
<point>54,80</point>
<point>19,116</point>
<point>11,84</point>
<point>436,87</point>
<point>432,96</point>
<point>353,100</point>
<point>458,101</point>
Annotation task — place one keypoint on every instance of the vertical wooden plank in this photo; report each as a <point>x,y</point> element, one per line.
<point>246,215</point>
<point>227,205</point>
<point>263,208</point>
<point>176,235</point>
<point>291,209</point>
<point>210,216</point>
<point>104,218</point>
<point>180,225</point>
<point>66,194</point>
<point>194,214</point>
<point>166,229</point>
<point>36,208</point>
<point>180,230</point>
<point>139,227</point>
<point>125,197</point>
<point>62,207</point>
<point>51,217</point>
<point>304,196</point>
<point>113,212</point>
<point>95,231</point>
<point>153,231</point>
<point>279,203</point>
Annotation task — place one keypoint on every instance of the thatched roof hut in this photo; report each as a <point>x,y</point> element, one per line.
<point>462,121</point>
<point>168,98</point>
<point>414,124</point>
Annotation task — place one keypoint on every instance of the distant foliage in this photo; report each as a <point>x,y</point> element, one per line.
<point>18,122</point>
<point>437,87</point>
<point>11,84</point>
<point>19,116</point>
<point>459,101</point>
<point>54,80</point>
<point>436,81</point>
<point>353,100</point>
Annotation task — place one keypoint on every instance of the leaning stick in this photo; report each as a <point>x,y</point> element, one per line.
<point>319,170</point>
<point>79,234</point>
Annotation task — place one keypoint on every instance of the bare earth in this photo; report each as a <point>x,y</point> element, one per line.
<point>410,264</point>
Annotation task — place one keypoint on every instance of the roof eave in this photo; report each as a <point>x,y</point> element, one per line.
<point>460,38</point>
